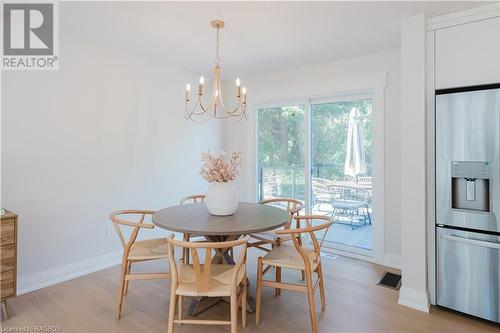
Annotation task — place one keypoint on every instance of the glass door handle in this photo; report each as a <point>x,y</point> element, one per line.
<point>471,241</point>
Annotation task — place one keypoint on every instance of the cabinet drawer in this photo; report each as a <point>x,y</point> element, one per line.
<point>6,284</point>
<point>7,232</point>
<point>7,257</point>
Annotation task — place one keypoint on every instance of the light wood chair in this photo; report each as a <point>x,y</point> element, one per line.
<point>293,206</point>
<point>207,280</point>
<point>186,200</point>
<point>135,251</point>
<point>193,199</point>
<point>296,257</point>
<point>270,237</point>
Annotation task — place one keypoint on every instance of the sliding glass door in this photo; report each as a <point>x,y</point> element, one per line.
<point>341,171</point>
<point>281,152</point>
<point>320,152</point>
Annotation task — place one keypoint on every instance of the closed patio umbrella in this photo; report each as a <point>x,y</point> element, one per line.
<point>355,161</point>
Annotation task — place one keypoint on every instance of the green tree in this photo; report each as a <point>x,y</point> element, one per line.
<point>281,136</point>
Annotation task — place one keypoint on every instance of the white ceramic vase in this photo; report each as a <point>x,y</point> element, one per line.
<point>222,198</point>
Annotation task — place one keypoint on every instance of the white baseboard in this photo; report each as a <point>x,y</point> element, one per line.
<point>331,251</point>
<point>56,275</point>
<point>415,299</point>
<point>389,260</point>
<point>392,260</point>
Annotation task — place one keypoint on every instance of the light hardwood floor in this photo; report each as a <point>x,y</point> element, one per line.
<point>354,304</point>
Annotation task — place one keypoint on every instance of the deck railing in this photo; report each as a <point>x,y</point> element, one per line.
<point>289,181</point>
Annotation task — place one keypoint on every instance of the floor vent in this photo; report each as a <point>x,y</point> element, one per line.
<point>390,280</point>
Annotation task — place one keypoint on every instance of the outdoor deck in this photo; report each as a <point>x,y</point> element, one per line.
<point>361,236</point>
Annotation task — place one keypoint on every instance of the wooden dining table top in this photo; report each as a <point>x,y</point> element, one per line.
<point>195,219</point>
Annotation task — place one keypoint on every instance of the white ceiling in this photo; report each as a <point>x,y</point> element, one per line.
<point>259,36</point>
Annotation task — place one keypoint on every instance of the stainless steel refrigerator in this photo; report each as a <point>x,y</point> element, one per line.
<point>468,200</point>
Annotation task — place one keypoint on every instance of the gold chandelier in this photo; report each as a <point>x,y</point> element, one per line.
<point>216,107</point>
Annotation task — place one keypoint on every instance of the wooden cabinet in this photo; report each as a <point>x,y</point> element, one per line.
<point>8,258</point>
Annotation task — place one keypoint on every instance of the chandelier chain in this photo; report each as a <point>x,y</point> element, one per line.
<point>217,46</point>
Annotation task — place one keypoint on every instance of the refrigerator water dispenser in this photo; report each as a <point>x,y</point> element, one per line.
<point>470,186</point>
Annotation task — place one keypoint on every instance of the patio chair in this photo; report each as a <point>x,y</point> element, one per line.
<point>348,201</point>
<point>320,191</point>
<point>365,180</point>
<point>272,185</point>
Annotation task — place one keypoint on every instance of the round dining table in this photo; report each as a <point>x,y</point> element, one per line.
<point>195,219</point>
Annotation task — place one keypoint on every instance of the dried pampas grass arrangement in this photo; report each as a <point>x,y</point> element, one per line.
<point>217,169</point>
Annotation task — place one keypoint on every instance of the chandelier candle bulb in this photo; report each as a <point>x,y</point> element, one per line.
<point>244,91</point>
<point>238,88</point>
<point>188,89</point>
<point>200,87</point>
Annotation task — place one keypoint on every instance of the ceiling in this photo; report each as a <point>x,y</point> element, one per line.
<point>258,37</point>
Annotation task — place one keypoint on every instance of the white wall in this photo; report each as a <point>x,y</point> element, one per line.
<point>413,167</point>
<point>389,61</point>
<point>105,132</point>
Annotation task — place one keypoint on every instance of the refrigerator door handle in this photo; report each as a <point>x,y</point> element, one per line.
<point>471,241</point>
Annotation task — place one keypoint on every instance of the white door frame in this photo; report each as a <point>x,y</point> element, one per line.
<point>374,85</point>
